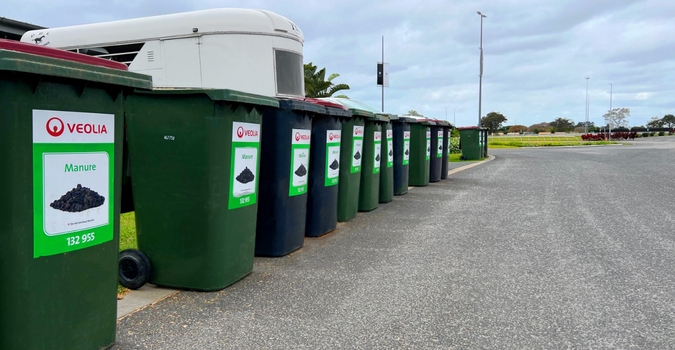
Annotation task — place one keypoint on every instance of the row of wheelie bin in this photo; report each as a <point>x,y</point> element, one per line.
<point>217,176</point>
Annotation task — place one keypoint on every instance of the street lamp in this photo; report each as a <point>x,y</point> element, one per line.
<point>587,114</point>
<point>480,81</point>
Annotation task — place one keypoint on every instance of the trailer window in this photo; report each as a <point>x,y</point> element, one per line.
<point>289,73</point>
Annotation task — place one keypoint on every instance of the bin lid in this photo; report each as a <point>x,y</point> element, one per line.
<point>218,95</point>
<point>34,62</point>
<point>18,46</point>
<point>420,120</point>
<point>443,123</point>
<point>470,128</point>
<point>403,119</point>
<point>357,108</point>
<point>332,109</point>
<point>300,105</point>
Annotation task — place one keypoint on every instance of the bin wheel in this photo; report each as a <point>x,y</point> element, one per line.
<point>134,268</point>
<point>462,157</point>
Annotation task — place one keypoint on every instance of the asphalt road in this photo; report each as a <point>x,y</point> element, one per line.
<point>538,249</point>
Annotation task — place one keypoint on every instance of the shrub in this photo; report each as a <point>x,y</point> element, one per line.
<point>661,133</point>
<point>645,134</point>
<point>536,131</point>
<point>652,134</point>
<point>454,145</point>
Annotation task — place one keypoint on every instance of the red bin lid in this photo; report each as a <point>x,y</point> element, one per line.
<point>33,49</point>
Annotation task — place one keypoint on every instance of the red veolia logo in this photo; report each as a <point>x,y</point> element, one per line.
<point>240,132</point>
<point>297,136</point>
<point>330,136</point>
<point>55,127</point>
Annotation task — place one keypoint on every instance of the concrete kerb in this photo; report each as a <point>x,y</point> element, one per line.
<point>469,166</point>
<point>137,300</point>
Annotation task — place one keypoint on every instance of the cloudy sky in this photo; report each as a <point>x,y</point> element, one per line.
<point>537,53</point>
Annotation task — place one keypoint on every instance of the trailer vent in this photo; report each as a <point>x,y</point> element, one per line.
<point>151,56</point>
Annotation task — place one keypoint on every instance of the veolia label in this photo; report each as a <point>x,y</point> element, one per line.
<point>299,161</point>
<point>332,157</point>
<point>357,148</point>
<point>428,143</point>
<point>406,147</point>
<point>377,147</point>
<point>390,148</point>
<point>439,154</point>
<point>73,180</point>
<point>244,164</point>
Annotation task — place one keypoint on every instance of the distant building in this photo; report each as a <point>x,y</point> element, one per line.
<point>13,30</point>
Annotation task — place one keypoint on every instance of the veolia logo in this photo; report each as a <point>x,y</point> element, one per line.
<point>358,131</point>
<point>330,136</point>
<point>240,132</point>
<point>297,136</point>
<point>55,127</point>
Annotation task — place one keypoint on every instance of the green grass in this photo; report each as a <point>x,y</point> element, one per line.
<point>518,144</point>
<point>455,158</point>
<point>127,238</point>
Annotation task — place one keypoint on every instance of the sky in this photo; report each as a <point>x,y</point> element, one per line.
<point>537,53</point>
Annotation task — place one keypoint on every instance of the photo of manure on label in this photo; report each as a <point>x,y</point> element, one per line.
<point>245,176</point>
<point>334,165</point>
<point>407,152</point>
<point>357,156</point>
<point>301,171</point>
<point>391,153</point>
<point>377,157</point>
<point>428,149</point>
<point>78,199</point>
<point>440,147</point>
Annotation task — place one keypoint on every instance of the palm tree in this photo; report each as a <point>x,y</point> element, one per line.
<point>316,86</point>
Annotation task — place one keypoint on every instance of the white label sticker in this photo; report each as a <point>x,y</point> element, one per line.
<point>245,171</point>
<point>245,132</point>
<point>358,130</point>
<point>301,136</point>
<point>72,127</point>
<point>67,172</point>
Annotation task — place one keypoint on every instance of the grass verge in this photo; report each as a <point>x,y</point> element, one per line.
<point>519,144</point>
<point>127,241</point>
<point>455,158</point>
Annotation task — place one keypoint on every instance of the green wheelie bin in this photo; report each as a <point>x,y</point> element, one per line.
<point>420,151</point>
<point>195,156</point>
<point>61,154</point>
<point>471,140</point>
<point>369,194</point>
<point>351,159</point>
<point>447,136</point>
<point>387,166</point>
<point>401,126</point>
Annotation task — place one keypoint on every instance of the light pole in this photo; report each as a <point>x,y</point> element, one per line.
<point>609,135</point>
<point>587,114</point>
<point>480,81</point>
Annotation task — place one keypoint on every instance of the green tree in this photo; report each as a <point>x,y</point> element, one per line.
<point>655,122</point>
<point>414,113</point>
<point>316,84</point>
<point>668,121</point>
<point>493,121</point>
<point>562,124</point>
<point>616,118</point>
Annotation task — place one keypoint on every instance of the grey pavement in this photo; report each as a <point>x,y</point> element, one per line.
<point>538,249</point>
